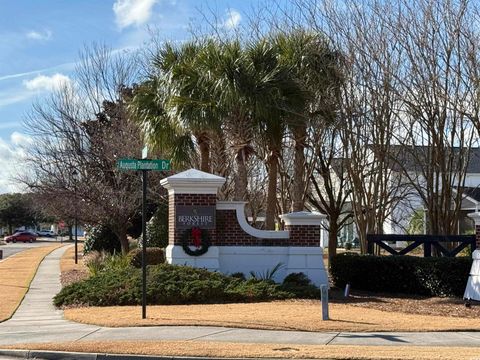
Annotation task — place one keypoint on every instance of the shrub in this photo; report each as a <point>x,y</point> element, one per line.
<point>299,279</point>
<point>155,256</point>
<point>402,274</point>
<point>238,275</point>
<point>167,284</point>
<point>100,238</point>
<point>256,290</point>
<point>300,285</point>
<point>135,228</point>
<point>157,227</point>
<point>104,289</point>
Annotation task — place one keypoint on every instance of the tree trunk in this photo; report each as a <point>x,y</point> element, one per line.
<point>218,154</point>
<point>298,187</point>
<point>241,179</point>
<point>332,240</point>
<point>121,233</point>
<point>272,191</point>
<point>204,147</point>
<point>362,230</point>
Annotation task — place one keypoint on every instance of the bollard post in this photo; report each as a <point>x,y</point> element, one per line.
<point>324,298</point>
<point>1,254</point>
<point>347,291</point>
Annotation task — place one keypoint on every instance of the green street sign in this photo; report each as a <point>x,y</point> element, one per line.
<point>144,164</point>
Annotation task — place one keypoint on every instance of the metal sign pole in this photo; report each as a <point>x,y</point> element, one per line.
<point>76,235</point>
<point>144,244</point>
<point>144,165</point>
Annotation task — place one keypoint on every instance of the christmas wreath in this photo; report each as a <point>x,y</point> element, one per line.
<point>200,241</point>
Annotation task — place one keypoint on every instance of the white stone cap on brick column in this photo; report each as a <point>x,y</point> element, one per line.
<point>303,218</point>
<point>475,216</point>
<point>193,181</point>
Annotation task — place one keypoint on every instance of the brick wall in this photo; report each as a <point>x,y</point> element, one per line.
<point>304,235</point>
<point>229,232</point>
<point>175,236</point>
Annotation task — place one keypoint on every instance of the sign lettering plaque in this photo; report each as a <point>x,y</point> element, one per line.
<point>195,216</point>
<point>144,164</point>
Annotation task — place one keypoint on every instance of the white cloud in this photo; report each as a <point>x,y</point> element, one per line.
<point>64,66</point>
<point>20,139</point>
<point>6,151</point>
<point>132,12</point>
<point>233,19</point>
<point>41,83</point>
<point>12,158</point>
<point>39,35</point>
<point>47,83</point>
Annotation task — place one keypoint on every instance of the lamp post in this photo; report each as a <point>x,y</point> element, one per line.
<point>75,179</point>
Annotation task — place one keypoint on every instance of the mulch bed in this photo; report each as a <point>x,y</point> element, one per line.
<point>409,304</point>
<point>72,276</point>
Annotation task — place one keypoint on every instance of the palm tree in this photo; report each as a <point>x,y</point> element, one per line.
<point>165,134</point>
<point>174,104</point>
<point>189,99</point>
<point>314,64</point>
<point>277,95</point>
<point>225,71</point>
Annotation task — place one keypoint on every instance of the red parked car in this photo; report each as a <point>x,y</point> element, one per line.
<point>25,236</point>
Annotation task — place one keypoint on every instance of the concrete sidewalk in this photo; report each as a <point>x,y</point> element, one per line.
<point>36,320</point>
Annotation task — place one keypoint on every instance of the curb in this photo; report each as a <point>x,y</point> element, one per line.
<point>61,355</point>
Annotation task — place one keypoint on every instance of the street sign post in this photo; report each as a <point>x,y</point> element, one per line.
<point>144,165</point>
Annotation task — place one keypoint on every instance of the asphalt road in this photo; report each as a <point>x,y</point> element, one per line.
<point>13,248</point>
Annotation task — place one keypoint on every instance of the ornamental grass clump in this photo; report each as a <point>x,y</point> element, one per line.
<point>98,261</point>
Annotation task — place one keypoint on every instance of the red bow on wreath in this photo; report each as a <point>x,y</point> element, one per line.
<point>197,237</point>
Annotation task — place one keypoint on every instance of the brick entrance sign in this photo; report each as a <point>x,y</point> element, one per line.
<point>235,246</point>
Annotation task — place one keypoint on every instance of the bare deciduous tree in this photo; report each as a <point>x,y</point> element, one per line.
<point>79,134</point>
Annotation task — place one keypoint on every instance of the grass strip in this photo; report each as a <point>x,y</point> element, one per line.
<point>16,274</point>
<point>302,315</point>
<point>67,262</point>
<point>270,351</point>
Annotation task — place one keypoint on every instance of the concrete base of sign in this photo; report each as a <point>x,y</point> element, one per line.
<point>259,259</point>
<point>176,256</point>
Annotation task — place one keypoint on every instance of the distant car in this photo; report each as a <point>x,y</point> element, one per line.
<point>25,236</point>
<point>46,233</point>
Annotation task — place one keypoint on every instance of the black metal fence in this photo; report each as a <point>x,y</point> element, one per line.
<point>428,241</point>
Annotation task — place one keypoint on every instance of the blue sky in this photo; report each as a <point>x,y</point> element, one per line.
<point>40,42</point>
